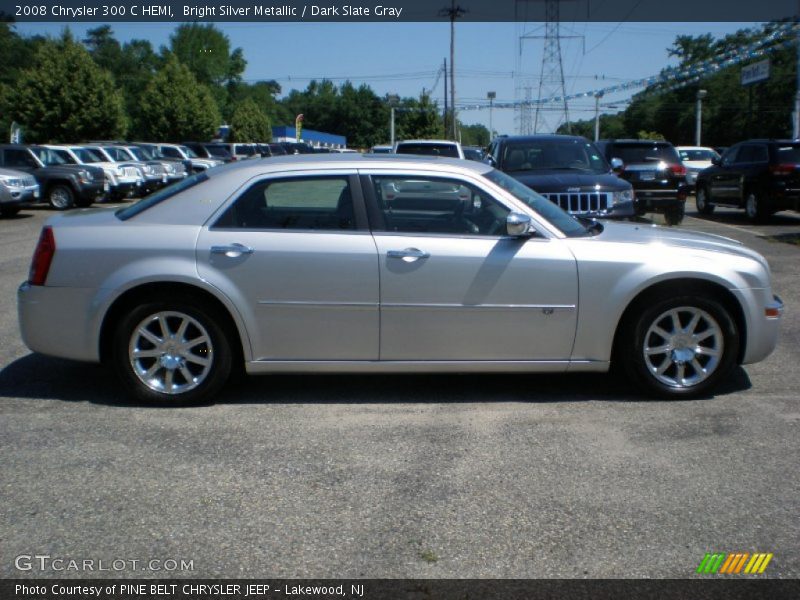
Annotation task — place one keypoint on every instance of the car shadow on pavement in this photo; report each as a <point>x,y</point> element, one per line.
<point>40,377</point>
<point>781,219</point>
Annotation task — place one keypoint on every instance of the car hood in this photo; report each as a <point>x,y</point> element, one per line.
<point>638,233</point>
<point>563,181</point>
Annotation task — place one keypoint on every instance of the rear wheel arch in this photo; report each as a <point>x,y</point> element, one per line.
<point>167,290</point>
<point>681,287</point>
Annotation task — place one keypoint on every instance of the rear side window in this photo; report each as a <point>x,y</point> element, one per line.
<point>316,203</point>
<point>127,212</point>
<point>429,149</point>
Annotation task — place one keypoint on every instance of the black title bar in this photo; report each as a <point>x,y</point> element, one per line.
<point>397,10</point>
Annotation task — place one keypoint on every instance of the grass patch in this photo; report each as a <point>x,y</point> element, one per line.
<point>428,556</point>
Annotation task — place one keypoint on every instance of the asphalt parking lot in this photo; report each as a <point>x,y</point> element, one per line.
<point>401,476</point>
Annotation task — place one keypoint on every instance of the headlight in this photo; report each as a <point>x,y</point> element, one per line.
<point>12,181</point>
<point>623,196</point>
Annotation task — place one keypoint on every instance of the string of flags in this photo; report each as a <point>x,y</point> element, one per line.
<point>782,36</point>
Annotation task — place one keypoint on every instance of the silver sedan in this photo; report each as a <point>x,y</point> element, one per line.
<point>386,264</point>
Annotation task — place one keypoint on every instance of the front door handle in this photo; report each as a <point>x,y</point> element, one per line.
<point>408,254</point>
<point>232,250</point>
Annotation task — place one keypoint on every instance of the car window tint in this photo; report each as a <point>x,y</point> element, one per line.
<point>645,153</point>
<point>414,204</point>
<point>318,203</point>
<point>170,152</point>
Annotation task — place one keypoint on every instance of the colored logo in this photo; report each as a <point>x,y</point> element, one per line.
<point>734,563</point>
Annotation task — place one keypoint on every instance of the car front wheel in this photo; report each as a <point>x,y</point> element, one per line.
<point>172,352</point>
<point>680,347</point>
<point>703,202</point>
<point>61,197</point>
<point>754,207</point>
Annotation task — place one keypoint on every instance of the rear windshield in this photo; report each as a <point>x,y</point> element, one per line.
<point>645,153</point>
<point>789,154</point>
<point>702,154</point>
<point>429,149</point>
<point>123,214</point>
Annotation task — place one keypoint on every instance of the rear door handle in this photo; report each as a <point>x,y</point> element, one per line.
<point>232,250</point>
<point>408,254</point>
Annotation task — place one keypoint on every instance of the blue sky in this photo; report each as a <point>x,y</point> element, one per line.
<point>404,58</point>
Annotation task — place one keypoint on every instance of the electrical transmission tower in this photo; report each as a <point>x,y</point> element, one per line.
<point>545,116</point>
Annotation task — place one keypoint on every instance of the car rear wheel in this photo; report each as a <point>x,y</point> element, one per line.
<point>61,197</point>
<point>703,202</point>
<point>9,211</point>
<point>172,352</point>
<point>680,347</point>
<point>674,216</point>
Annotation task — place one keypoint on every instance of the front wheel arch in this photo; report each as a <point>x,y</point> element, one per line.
<point>147,292</point>
<point>681,287</point>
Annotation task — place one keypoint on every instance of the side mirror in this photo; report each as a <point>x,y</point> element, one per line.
<point>518,225</point>
<point>617,165</point>
<point>489,160</point>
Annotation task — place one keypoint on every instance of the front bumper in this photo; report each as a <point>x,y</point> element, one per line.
<point>16,196</point>
<point>90,191</point>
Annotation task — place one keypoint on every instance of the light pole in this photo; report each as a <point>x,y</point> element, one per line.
<point>491,96</point>
<point>392,99</point>
<point>698,128</point>
<point>597,97</point>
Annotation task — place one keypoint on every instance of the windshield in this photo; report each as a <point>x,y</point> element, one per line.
<point>188,151</point>
<point>139,153</point>
<point>48,156</point>
<point>218,150</point>
<point>568,225</point>
<point>168,192</point>
<point>245,149</point>
<point>553,155</point>
<point>87,156</point>
<point>701,154</point>
<point>65,156</point>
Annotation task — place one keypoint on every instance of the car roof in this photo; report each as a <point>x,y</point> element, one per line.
<point>357,161</point>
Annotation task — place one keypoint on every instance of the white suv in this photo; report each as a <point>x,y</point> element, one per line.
<point>430,148</point>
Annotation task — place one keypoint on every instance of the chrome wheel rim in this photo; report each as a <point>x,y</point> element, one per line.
<point>701,200</point>
<point>59,198</point>
<point>170,352</point>
<point>751,207</point>
<point>683,347</point>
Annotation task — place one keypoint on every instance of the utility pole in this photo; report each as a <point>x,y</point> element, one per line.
<point>491,96</point>
<point>698,127</point>
<point>796,128</point>
<point>597,97</point>
<point>453,13</point>
<point>445,98</point>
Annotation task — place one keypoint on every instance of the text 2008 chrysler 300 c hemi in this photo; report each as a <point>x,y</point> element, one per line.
<point>386,264</point>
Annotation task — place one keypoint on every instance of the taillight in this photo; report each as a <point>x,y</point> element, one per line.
<point>678,170</point>
<point>42,257</point>
<point>783,169</point>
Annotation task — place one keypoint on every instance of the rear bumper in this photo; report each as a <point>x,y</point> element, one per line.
<point>54,321</point>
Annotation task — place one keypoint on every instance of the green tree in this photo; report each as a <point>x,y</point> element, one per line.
<point>175,107</point>
<point>65,97</point>
<point>206,51</point>
<point>475,135</point>
<point>250,124</point>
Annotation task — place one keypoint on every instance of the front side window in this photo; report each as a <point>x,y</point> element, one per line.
<point>316,203</point>
<point>414,204</point>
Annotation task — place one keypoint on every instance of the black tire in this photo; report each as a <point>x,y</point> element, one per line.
<point>61,197</point>
<point>754,207</point>
<point>703,201</point>
<point>83,202</point>
<point>147,378</point>
<point>9,211</point>
<point>644,352</point>
<point>674,216</point>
